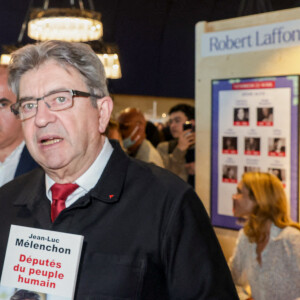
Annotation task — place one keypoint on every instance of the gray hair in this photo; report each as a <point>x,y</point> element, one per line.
<point>77,55</point>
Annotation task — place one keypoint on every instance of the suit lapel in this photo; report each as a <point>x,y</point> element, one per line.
<point>26,163</point>
<point>33,199</point>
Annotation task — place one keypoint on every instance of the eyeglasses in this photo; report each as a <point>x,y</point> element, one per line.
<point>27,108</point>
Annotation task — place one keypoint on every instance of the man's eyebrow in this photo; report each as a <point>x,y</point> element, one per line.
<point>2,100</point>
<point>57,90</point>
<point>25,99</point>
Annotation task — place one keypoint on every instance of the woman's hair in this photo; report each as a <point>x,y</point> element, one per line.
<point>271,204</point>
<point>77,55</point>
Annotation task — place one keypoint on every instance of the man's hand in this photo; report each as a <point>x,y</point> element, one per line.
<point>186,139</point>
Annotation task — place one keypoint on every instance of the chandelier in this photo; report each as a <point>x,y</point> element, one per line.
<point>5,53</point>
<point>67,24</point>
<point>111,65</point>
<point>5,58</point>
<point>108,54</point>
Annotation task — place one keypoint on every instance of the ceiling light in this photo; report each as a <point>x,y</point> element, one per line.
<point>5,58</point>
<point>67,24</point>
<point>111,65</point>
<point>108,53</point>
<point>6,53</point>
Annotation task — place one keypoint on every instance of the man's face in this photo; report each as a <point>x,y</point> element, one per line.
<point>241,114</point>
<point>10,126</point>
<point>265,111</point>
<point>176,121</point>
<point>65,143</point>
<point>127,126</point>
<point>132,126</point>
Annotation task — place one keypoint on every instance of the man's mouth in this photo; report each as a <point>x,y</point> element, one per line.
<point>47,142</point>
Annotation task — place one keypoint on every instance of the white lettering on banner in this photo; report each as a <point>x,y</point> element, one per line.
<point>256,38</point>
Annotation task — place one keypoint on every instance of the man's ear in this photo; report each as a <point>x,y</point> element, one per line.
<point>105,107</point>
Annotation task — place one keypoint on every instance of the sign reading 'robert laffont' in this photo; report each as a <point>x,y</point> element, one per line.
<point>256,38</point>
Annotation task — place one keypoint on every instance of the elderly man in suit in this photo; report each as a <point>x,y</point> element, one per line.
<point>14,156</point>
<point>146,233</point>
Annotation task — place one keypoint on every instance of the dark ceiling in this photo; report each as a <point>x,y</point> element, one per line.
<point>156,37</point>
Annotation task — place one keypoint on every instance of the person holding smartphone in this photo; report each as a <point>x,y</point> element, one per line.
<point>178,154</point>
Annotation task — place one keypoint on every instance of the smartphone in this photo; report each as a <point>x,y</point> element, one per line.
<point>188,125</point>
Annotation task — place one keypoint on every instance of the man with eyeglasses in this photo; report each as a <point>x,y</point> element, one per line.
<point>15,159</point>
<point>146,233</point>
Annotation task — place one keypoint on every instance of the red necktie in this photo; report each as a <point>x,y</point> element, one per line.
<point>60,193</point>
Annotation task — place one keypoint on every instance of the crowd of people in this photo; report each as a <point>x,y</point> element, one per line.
<point>146,233</point>
<point>151,143</point>
<point>123,201</point>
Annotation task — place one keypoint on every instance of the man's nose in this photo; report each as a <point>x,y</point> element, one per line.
<point>43,114</point>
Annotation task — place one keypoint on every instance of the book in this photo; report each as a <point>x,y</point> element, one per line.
<point>42,261</point>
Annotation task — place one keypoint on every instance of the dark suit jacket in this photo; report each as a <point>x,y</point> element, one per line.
<point>146,233</point>
<point>26,163</point>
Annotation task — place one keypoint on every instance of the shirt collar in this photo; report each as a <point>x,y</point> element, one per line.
<point>89,179</point>
<point>108,189</point>
<point>16,153</point>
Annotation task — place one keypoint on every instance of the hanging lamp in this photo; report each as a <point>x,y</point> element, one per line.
<point>108,53</point>
<point>67,30</point>
<point>70,24</point>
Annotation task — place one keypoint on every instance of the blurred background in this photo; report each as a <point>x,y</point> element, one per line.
<point>155,37</point>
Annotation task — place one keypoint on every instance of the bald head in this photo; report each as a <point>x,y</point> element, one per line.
<point>132,125</point>
<point>132,114</point>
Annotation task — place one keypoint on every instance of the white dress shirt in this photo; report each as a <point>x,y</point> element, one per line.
<point>87,180</point>
<point>9,166</point>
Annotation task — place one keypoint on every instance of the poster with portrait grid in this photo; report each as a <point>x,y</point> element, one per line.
<point>254,128</point>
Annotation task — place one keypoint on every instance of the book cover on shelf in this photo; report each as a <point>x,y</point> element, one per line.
<point>41,260</point>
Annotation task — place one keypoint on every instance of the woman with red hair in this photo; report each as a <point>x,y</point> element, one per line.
<point>267,254</point>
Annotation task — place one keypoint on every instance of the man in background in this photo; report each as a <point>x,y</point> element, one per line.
<point>133,129</point>
<point>179,154</point>
<point>14,156</point>
<point>146,232</point>
<point>113,131</point>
